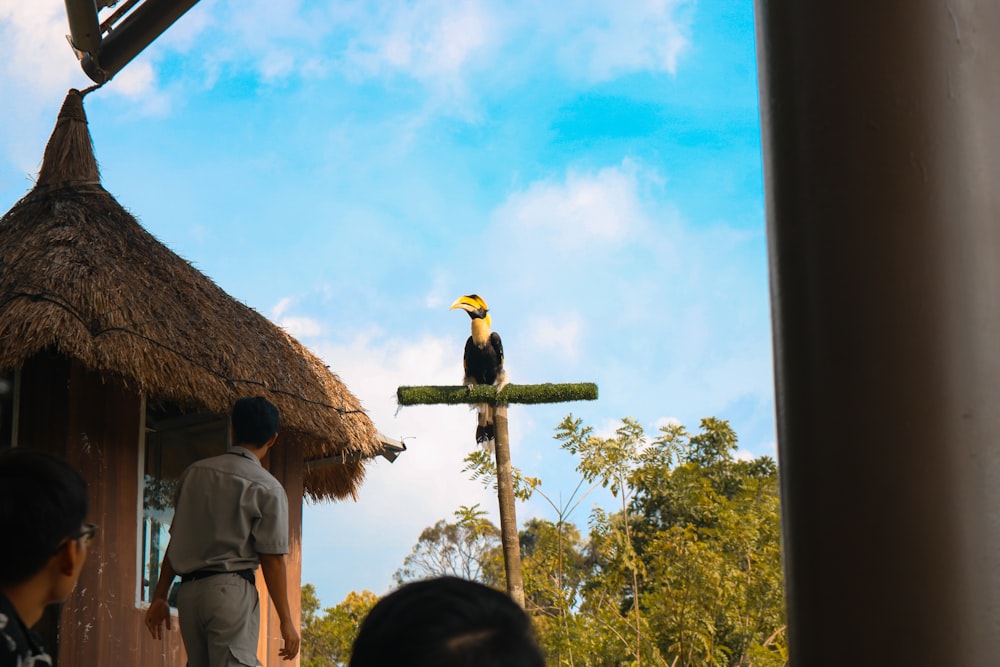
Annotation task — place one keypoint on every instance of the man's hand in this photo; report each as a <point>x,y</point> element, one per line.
<point>272,566</point>
<point>158,612</point>
<point>291,636</point>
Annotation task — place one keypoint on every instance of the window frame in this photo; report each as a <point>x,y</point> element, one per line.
<point>198,420</point>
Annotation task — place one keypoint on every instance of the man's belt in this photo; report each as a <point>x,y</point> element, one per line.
<point>202,574</point>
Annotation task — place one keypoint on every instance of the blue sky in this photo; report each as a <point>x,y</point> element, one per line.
<point>591,167</point>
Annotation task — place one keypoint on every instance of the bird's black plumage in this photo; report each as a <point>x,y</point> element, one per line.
<point>484,363</point>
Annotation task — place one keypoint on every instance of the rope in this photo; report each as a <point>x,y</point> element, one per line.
<point>85,91</point>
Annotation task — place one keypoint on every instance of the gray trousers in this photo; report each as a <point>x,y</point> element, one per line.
<point>220,621</point>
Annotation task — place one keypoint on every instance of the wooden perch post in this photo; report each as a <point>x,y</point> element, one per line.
<point>512,393</point>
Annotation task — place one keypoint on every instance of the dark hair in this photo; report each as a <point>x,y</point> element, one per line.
<point>255,421</point>
<point>446,622</point>
<point>43,500</point>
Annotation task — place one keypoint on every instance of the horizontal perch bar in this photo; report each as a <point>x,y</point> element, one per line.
<point>512,393</point>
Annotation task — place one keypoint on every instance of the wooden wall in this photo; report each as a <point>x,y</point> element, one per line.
<point>94,422</point>
<point>285,463</point>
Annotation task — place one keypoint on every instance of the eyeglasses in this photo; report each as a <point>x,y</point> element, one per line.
<point>87,532</point>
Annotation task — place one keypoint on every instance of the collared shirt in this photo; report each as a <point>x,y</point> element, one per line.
<point>228,510</point>
<point>19,646</point>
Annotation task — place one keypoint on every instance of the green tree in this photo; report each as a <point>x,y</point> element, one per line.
<point>467,548</point>
<point>611,462</point>
<point>555,568</point>
<point>317,636</point>
<point>689,566</point>
<point>685,571</point>
<point>708,531</point>
<point>484,469</point>
<point>327,639</point>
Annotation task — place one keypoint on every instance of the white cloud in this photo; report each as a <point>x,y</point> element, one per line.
<point>374,365</point>
<point>136,81</point>
<point>607,429</point>
<point>666,421</point>
<point>188,31</point>
<point>277,40</point>
<point>432,40</point>
<point>437,295</point>
<point>449,47</point>
<point>280,307</point>
<point>38,67</point>
<point>277,65</point>
<point>297,326</point>
<point>600,207</point>
<point>441,43</point>
<point>437,40</point>
<point>614,38</point>
<point>560,337</point>
<point>36,54</point>
<point>300,327</point>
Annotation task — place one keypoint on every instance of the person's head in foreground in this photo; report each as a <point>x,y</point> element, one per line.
<point>446,622</point>
<point>43,502</point>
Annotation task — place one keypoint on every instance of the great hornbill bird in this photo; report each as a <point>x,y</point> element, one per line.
<point>483,360</point>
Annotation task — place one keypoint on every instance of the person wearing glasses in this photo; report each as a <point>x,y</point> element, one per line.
<point>230,515</point>
<point>43,502</point>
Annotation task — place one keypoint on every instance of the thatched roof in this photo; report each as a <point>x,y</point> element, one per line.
<point>80,276</point>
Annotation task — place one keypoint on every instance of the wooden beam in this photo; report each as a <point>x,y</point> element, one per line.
<point>508,518</point>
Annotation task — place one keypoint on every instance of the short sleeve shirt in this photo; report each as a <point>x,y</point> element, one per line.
<point>19,646</point>
<point>229,509</point>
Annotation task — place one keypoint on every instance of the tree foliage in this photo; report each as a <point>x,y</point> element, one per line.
<point>684,570</point>
<point>484,469</point>
<point>327,639</point>
<point>462,549</point>
<point>710,538</point>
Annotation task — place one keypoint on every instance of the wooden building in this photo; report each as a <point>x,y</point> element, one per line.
<point>120,356</point>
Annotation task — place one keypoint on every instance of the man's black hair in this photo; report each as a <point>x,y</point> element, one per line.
<point>255,421</point>
<point>446,622</point>
<point>43,501</point>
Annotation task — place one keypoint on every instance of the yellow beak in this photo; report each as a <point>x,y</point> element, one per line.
<point>469,303</point>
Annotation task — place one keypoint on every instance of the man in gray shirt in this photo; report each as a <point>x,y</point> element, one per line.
<point>230,514</point>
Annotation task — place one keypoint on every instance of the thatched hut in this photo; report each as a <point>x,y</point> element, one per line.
<point>119,355</point>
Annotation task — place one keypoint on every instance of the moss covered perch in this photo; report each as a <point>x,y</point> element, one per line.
<point>512,393</point>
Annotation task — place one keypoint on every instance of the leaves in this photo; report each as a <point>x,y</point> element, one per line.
<point>484,469</point>
<point>327,639</point>
<point>689,567</point>
<point>684,572</point>
<point>464,548</point>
